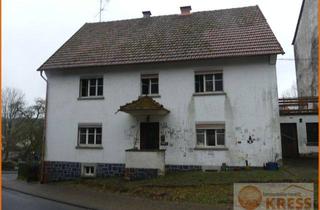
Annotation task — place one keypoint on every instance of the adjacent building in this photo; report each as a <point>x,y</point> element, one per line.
<point>305,44</point>
<point>299,116</point>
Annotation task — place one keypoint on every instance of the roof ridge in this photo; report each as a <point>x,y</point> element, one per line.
<point>225,9</point>
<point>169,15</point>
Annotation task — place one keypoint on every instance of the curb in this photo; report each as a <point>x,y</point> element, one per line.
<point>50,199</point>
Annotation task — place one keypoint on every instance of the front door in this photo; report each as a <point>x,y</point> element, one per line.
<point>149,135</point>
<point>289,140</point>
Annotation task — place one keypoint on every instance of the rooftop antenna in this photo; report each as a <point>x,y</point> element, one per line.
<point>101,9</point>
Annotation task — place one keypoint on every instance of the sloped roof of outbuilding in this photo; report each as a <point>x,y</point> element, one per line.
<point>200,35</point>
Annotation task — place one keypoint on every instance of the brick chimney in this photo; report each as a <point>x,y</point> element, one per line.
<point>146,14</point>
<point>185,10</point>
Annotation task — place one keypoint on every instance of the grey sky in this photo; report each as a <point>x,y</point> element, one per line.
<point>33,30</point>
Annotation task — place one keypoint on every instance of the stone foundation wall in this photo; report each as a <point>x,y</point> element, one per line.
<point>61,171</point>
<point>110,169</point>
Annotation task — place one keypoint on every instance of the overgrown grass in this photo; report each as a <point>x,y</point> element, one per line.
<point>199,187</point>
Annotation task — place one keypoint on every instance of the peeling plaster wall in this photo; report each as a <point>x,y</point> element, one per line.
<point>248,108</point>
<point>302,131</point>
<point>306,50</point>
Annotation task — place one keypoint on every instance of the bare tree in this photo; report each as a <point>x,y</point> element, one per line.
<point>292,92</point>
<point>13,103</point>
<point>30,130</point>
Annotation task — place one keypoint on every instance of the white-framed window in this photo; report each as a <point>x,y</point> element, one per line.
<point>88,170</point>
<point>210,135</point>
<point>150,84</point>
<point>90,135</point>
<point>208,82</point>
<point>91,87</point>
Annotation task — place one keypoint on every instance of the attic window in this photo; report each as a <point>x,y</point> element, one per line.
<point>150,84</point>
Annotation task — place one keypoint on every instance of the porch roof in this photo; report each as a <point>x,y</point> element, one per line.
<point>144,105</point>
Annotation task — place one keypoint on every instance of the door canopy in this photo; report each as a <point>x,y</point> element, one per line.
<point>144,105</point>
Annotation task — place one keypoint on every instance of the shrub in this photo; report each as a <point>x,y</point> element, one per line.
<point>29,171</point>
<point>8,166</point>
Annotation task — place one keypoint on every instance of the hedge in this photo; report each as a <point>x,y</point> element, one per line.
<point>29,171</point>
<point>8,166</point>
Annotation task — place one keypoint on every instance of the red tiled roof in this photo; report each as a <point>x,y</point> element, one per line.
<point>201,35</point>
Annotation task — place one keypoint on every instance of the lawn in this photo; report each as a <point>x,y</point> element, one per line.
<point>201,187</point>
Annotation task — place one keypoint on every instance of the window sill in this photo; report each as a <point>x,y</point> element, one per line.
<point>210,93</point>
<point>212,148</point>
<point>91,98</point>
<point>152,95</point>
<point>89,147</point>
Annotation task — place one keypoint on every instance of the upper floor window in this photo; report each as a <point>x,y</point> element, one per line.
<point>90,135</point>
<point>312,134</point>
<point>150,84</point>
<point>210,135</point>
<point>208,82</point>
<point>91,87</point>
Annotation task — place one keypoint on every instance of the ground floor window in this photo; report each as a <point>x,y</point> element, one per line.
<point>88,170</point>
<point>90,135</point>
<point>312,134</point>
<point>210,135</point>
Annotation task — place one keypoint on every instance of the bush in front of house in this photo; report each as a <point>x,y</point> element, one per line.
<point>8,165</point>
<point>29,171</point>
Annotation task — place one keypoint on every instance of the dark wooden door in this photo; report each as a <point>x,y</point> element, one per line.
<point>289,140</point>
<point>149,135</point>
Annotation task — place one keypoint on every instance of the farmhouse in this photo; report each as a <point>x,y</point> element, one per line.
<point>140,97</point>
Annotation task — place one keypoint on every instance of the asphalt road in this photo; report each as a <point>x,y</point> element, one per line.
<point>12,200</point>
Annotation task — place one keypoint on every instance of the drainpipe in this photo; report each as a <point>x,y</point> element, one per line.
<point>42,175</point>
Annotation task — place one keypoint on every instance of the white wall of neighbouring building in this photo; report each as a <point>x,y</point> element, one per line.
<point>249,108</point>
<point>300,121</point>
<point>306,50</point>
